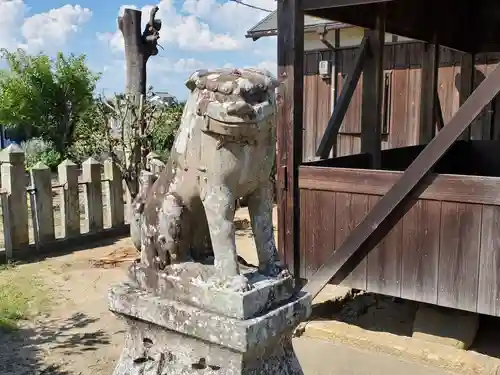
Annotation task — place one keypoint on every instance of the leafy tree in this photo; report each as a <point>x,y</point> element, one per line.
<point>105,128</point>
<point>45,98</point>
<point>91,135</point>
<point>162,135</point>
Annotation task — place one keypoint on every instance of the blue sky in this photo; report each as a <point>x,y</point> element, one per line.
<point>195,34</point>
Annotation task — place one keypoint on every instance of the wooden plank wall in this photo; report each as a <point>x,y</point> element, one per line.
<point>317,107</point>
<point>443,251</point>
<point>403,64</point>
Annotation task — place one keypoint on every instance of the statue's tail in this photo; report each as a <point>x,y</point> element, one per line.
<point>135,227</point>
<point>146,181</point>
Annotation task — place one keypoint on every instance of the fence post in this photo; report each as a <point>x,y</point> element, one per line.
<point>154,163</point>
<point>70,199</point>
<point>152,155</point>
<point>146,180</point>
<point>93,202</point>
<point>115,203</point>
<point>16,210</point>
<point>43,218</point>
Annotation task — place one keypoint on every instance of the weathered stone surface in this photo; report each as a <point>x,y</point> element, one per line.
<point>174,338</point>
<point>239,335</point>
<point>188,315</point>
<point>194,283</point>
<point>152,350</point>
<point>224,149</point>
<point>445,326</point>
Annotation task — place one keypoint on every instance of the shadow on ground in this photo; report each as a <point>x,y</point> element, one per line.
<point>27,350</point>
<point>371,312</point>
<point>68,247</point>
<point>379,313</point>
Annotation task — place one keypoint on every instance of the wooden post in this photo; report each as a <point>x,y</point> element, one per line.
<point>146,180</point>
<point>43,211</point>
<point>155,165</point>
<point>375,226</point>
<point>139,47</point>
<point>329,139</point>
<point>93,202</point>
<point>466,85</point>
<point>428,90</point>
<point>14,184</point>
<point>289,129</point>
<point>116,206</point>
<point>70,199</point>
<point>373,91</point>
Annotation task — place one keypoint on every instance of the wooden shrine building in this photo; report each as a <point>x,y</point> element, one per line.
<point>329,55</point>
<point>420,222</point>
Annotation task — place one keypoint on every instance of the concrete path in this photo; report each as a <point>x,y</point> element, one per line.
<point>319,357</point>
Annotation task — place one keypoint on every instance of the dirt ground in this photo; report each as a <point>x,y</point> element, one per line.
<point>75,334</point>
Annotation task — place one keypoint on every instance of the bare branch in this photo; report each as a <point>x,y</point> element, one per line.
<point>152,16</point>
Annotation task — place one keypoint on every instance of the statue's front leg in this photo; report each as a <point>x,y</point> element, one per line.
<point>219,204</point>
<point>260,207</point>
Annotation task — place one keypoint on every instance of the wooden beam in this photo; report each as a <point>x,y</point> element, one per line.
<point>330,135</point>
<point>466,84</point>
<point>428,90</point>
<point>375,225</point>
<point>439,113</point>
<point>322,4</point>
<point>373,91</point>
<point>289,128</point>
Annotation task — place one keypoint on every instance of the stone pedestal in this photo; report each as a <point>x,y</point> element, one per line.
<point>180,323</point>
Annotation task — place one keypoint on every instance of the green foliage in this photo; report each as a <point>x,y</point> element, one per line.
<point>22,296</point>
<point>37,150</point>
<point>46,98</point>
<point>162,135</point>
<point>91,135</point>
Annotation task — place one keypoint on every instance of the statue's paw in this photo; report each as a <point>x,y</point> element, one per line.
<point>274,269</point>
<point>284,274</point>
<point>237,284</point>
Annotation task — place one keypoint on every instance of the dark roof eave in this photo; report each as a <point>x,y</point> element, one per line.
<point>307,29</point>
<point>259,34</point>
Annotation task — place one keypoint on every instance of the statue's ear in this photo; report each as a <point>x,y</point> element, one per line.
<point>272,83</point>
<point>192,82</point>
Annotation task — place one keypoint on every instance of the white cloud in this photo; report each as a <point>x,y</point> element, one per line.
<point>237,19</point>
<point>113,40</point>
<point>272,66</point>
<point>53,28</point>
<point>187,32</point>
<point>163,65</point>
<point>45,31</point>
<point>230,15</point>
<point>199,26</point>
<point>11,16</point>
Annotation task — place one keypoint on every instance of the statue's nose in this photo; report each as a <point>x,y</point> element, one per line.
<point>240,109</point>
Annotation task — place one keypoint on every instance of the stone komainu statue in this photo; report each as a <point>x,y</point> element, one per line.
<point>224,149</point>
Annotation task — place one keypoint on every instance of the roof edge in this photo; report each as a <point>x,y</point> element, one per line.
<point>334,25</point>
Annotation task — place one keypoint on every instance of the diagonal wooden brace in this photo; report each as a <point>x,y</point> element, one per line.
<point>333,127</point>
<point>364,237</point>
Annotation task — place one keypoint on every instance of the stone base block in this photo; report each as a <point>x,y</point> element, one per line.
<point>192,283</point>
<point>153,350</point>
<point>445,326</point>
<point>174,338</point>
